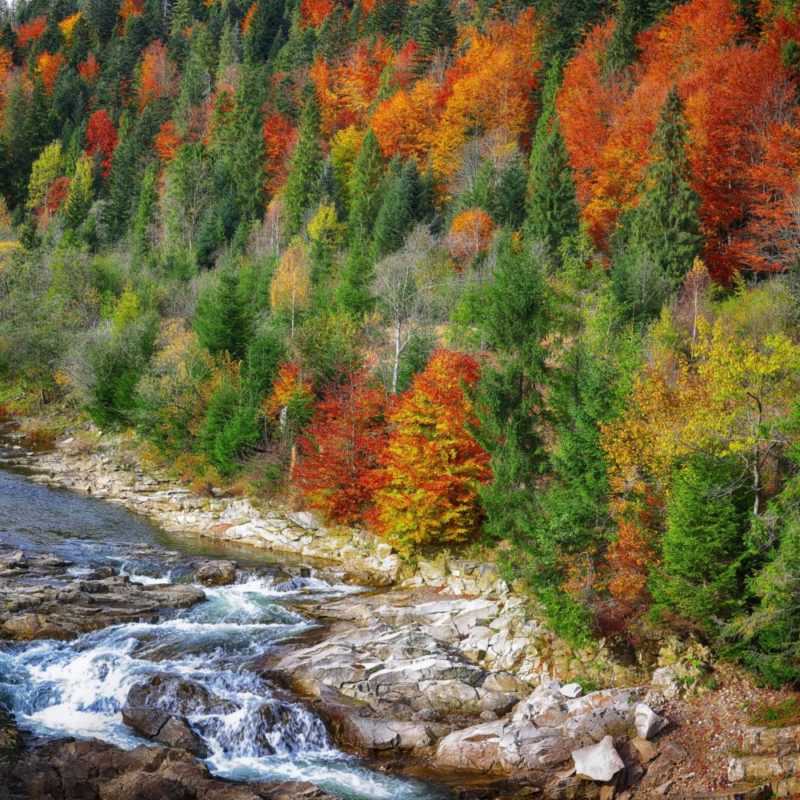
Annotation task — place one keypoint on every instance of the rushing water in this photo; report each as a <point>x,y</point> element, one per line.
<point>253,731</point>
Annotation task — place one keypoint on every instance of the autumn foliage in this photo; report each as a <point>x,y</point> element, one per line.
<point>339,450</point>
<point>432,468</point>
<point>470,234</point>
<point>30,31</point>
<point>101,140</point>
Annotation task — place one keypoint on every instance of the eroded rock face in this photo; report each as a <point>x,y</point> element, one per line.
<point>67,769</point>
<point>40,600</point>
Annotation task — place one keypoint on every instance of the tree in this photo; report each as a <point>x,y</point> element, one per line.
<point>305,168</point>
<point>404,204</point>
<point>401,298</point>
<point>365,187</point>
<point>432,467</point>
<point>435,30</point>
<point>338,451</point>
<point>79,199</point>
<point>703,546</point>
<point>45,170</point>
<point>666,225</point>
<point>220,321</point>
<point>101,141</point>
<point>470,235</point>
<point>552,209</point>
<point>290,289</point>
<point>142,231</point>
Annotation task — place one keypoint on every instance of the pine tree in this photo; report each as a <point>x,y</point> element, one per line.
<point>266,30</point>
<point>121,181</point>
<point>508,207</point>
<point>397,212</point>
<point>302,185</point>
<point>79,199</point>
<point>703,544</point>
<point>552,208</point>
<point>142,222</point>
<point>365,187</point>
<point>660,238</point>
<point>435,29</point>
<point>220,320</point>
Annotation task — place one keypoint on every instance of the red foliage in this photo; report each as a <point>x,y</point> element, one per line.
<point>158,75</point>
<point>131,8</point>
<point>279,140</point>
<point>57,194</point>
<point>30,31</point>
<point>101,140</point>
<point>432,467</point>
<point>167,140</point>
<point>740,112</point>
<point>89,69</point>
<point>315,12</point>
<point>338,453</point>
<point>48,66</point>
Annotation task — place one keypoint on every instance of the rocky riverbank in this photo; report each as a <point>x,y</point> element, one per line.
<point>442,670</point>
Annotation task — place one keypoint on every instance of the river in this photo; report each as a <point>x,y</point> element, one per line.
<point>78,688</point>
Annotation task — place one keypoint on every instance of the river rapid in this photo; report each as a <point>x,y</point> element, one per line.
<point>256,731</point>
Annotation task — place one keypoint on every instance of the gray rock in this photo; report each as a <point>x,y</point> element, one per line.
<point>598,762</point>
<point>572,690</point>
<point>647,722</point>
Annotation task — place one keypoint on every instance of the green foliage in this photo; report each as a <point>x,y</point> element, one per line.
<point>703,546</point>
<point>365,187</point>
<point>220,319</point>
<point>302,186</point>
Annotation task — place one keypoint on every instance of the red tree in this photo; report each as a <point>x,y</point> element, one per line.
<point>101,140</point>
<point>30,31</point>
<point>338,452</point>
<point>279,140</point>
<point>89,69</point>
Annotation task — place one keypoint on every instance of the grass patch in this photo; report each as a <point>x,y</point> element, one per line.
<point>779,714</point>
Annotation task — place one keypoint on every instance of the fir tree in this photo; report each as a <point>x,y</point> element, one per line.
<point>79,199</point>
<point>220,321</point>
<point>302,185</point>
<point>353,295</point>
<point>508,207</point>
<point>397,213</point>
<point>265,31</point>
<point>365,187</point>
<point>143,221</point>
<point>552,208</point>
<point>434,29</point>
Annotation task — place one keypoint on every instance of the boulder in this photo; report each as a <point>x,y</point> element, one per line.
<point>572,690</point>
<point>647,722</point>
<point>216,573</point>
<point>598,762</point>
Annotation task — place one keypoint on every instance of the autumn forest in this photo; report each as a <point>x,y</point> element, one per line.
<point>519,278</point>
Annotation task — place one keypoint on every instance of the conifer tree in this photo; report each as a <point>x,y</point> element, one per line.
<point>435,29</point>
<point>661,236</point>
<point>396,215</point>
<point>265,31</point>
<point>220,321</point>
<point>79,199</point>
<point>142,222</point>
<point>365,187</point>
<point>302,185</point>
<point>552,207</point>
<point>353,295</point>
<point>508,207</point>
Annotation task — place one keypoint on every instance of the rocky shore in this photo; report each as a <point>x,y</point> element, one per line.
<point>442,670</point>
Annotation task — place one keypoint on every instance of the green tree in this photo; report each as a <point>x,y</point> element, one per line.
<point>79,199</point>
<point>302,185</point>
<point>142,233</point>
<point>365,187</point>
<point>220,320</point>
<point>552,207</point>
<point>703,546</point>
<point>434,29</point>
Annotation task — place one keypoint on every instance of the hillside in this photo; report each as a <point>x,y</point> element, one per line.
<point>519,277</point>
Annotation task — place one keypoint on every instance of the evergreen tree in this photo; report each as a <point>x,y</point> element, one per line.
<point>265,32</point>
<point>508,208</point>
<point>143,221</point>
<point>353,295</point>
<point>552,207</point>
<point>79,199</point>
<point>703,545</point>
<point>365,187</point>
<point>220,320</point>
<point>122,178</point>
<point>302,185</point>
<point>661,237</point>
<point>397,212</point>
<point>434,29</point>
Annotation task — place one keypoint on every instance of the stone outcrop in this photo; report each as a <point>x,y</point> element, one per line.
<point>770,755</point>
<point>39,599</point>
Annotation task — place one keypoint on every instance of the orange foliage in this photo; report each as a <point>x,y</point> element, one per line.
<point>248,17</point>
<point>30,31</point>
<point>315,12</point>
<point>279,140</point>
<point>432,468</point>
<point>167,140</point>
<point>290,388</point>
<point>740,114</point>
<point>67,26</point>
<point>347,90</point>
<point>57,194</point>
<point>47,66</point>
<point>89,69</point>
<point>101,140</point>
<point>338,453</point>
<point>470,234</point>
<point>158,75</point>
<point>131,8</point>
<point>405,123</point>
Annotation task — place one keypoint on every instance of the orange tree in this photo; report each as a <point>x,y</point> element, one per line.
<point>432,467</point>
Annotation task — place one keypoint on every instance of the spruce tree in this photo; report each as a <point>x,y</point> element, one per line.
<point>142,222</point>
<point>365,187</point>
<point>397,212</point>
<point>302,185</point>
<point>79,199</point>
<point>220,320</point>
<point>353,295</point>
<point>508,208</point>
<point>435,30</point>
<point>659,240</point>
<point>266,28</point>
<point>552,212</point>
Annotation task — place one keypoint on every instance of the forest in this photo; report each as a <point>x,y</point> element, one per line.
<point>515,277</point>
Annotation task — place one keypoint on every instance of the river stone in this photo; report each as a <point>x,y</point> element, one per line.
<point>216,573</point>
<point>598,762</point>
<point>177,732</point>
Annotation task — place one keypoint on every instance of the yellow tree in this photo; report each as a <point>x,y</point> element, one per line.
<point>290,289</point>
